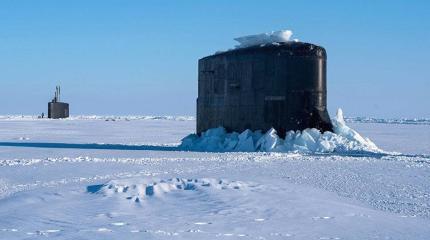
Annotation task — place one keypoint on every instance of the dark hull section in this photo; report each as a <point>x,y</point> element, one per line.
<point>282,86</point>
<point>58,110</point>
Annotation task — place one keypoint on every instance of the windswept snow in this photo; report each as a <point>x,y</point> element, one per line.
<point>138,190</point>
<point>264,38</point>
<point>57,182</point>
<point>343,140</point>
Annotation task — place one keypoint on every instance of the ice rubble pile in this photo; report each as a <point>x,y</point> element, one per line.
<point>138,189</point>
<point>344,139</point>
<point>264,38</point>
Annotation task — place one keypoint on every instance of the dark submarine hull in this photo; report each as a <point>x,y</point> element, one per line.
<point>283,86</point>
<point>58,110</point>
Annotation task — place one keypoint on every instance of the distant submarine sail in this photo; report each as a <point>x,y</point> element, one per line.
<point>56,108</point>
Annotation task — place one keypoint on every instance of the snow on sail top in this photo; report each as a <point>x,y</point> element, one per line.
<point>264,38</point>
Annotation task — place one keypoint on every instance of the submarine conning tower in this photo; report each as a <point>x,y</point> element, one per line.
<point>281,85</point>
<point>57,109</point>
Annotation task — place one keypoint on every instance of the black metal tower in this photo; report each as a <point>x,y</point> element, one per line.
<point>57,109</point>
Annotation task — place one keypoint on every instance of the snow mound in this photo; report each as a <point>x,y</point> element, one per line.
<point>140,189</point>
<point>343,140</point>
<point>264,38</point>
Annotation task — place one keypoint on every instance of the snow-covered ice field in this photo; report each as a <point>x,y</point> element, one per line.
<point>88,178</point>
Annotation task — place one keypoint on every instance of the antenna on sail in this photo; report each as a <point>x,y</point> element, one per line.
<point>56,108</point>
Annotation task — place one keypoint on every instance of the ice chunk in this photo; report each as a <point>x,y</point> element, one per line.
<point>269,141</point>
<point>340,128</point>
<point>264,38</point>
<point>189,141</point>
<point>246,142</point>
<point>231,141</point>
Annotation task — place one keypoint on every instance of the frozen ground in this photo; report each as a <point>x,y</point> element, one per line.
<point>89,178</point>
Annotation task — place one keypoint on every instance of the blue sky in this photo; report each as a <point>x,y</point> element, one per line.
<point>140,57</point>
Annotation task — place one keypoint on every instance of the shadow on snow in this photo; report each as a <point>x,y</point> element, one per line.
<point>425,158</point>
<point>90,146</point>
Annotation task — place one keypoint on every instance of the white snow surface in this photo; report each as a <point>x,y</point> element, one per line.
<point>408,121</point>
<point>264,38</point>
<point>89,178</point>
<point>343,140</point>
<point>99,117</point>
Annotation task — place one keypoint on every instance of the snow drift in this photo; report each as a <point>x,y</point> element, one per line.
<point>344,139</point>
<point>264,38</point>
<point>139,189</point>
